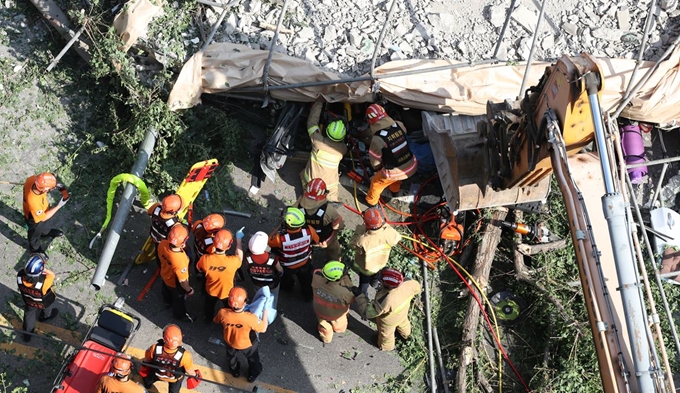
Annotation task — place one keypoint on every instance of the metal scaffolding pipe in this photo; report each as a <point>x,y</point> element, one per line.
<point>428,320</point>
<point>505,26</point>
<point>380,39</point>
<point>533,48</point>
<point>145,150</point>
<point>256,89</point>
<point>654,162</point>
<point>267,65</point>
<point>645,37</point>
<point>440,359</point>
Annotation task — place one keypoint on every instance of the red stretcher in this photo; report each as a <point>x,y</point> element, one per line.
<point>109,334</point>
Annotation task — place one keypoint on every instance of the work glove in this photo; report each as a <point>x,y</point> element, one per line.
<point>240,234</point>
<point>356,291</point>
<point>62,202</point>
<point>64,192</point>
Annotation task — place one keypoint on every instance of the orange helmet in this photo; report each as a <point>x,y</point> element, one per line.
<point>121,365</point>
<point>171,204</point>
<point>373,219</point>
<point>237,298</point>
<point>316,190</point>
<point>375,112</point>
<point>213,222</point>
<point>172,337</point>
<point>178,235</point>
<point>45,182</point>
<point>223,240</point>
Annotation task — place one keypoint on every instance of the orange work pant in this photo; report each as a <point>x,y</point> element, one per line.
<point>378,184</point>
<point>326,328</point>
<point>386,333</point>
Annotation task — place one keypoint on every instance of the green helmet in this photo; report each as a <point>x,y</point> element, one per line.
<point>333,270</point>
<point>294,217</point>
<point>336,131</point>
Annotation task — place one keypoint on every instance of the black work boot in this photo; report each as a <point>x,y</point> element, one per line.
<point>55,233</point>
<point>53,314</point>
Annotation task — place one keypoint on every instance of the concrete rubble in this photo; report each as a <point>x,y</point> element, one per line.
<point>341,36</point>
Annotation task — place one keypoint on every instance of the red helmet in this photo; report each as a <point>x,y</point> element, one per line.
<point>178,235</point>
<point>223,240</point>
<point>171,204</point>
<point>237,298</point>
<point>45,182</point>
<point>373,219</point>
<point>172,337</point>
<point>213,222</point>
<point>316,190</point>
<point>121,365</point>
<point>375,112</point>
<point>391,278</point>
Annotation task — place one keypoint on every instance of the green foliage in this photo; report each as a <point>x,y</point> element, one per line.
<point>7,387</point>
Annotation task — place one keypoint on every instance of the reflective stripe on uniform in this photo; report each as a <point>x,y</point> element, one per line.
<point>326,159</point>
<point>312,129</point>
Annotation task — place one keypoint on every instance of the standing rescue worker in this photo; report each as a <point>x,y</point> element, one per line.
<point>219,270</point>
<point>328,148</point>
<point>171,357</point>
<point>333,294</point>
<point>37,211</point>
<point>164,217</point>
<point>263,267</point>
<point>390,154</point>
<point>390,307</point>
<point>35,285</point>
<point>175,272</point>
<point>204,232</point>
<point>118,379</point>
<point>322,216</point>
<point>372,243</point>
<point>239,328</point>
<point>293,245</point>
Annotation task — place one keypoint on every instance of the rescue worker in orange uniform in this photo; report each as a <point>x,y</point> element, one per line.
<point>263,267</point>
<point>372,243</point>
<point>35,285</point>
<point>171,357</point>
<point>328,148</point>
<point>322,216</point>
<point>239,328</point>
<point>389,152</point>
<point>118,379</point>
<point>293,245</point>
<point>164,217</point>
<point>37,210</point>
<point>333,294</point>
<point>220,270</point>
<point>204,233</point>
<point>175,272</point>
<point>390,307</point>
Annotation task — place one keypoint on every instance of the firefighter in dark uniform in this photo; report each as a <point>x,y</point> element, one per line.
<point>323,217</point>
<point>171,357</point>
<point>293,245</point>
<point>390,154</point>
<point>164,217</point>
<point>35,285</point>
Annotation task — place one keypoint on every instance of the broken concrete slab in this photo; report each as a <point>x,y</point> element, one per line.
<point>525,18</point>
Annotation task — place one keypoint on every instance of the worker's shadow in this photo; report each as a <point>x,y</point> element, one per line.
<point>12,225</point>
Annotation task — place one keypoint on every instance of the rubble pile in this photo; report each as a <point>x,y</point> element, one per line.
<point>340,36</point>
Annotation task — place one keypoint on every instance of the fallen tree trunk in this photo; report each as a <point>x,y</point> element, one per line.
<point>480,271</point>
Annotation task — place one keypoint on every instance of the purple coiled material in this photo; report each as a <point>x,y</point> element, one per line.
<point>633,151</point>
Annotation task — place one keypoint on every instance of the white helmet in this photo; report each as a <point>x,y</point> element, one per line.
<point>258,243</point>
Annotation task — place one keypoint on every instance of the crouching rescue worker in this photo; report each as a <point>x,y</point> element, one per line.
<point>164,217</point>
<point>389,152</point>
<point>293,245</point>
<point>390,307</point>
<point>239,331</point>
<point>372,243</point>
<point>35,285</point>
<point>323,217</point>
<point>220,270</point>
<point>328,148</point>
<point>37,210</point>
<point>171,358</point>
<point>118,379</point>
<point>204,235</point>
<point>333,294</point>
<point>175,272</point>
<point>263,267</point>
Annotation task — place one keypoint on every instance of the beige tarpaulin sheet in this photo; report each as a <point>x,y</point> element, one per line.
<point>132,22</point>
<point>225,66</point>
